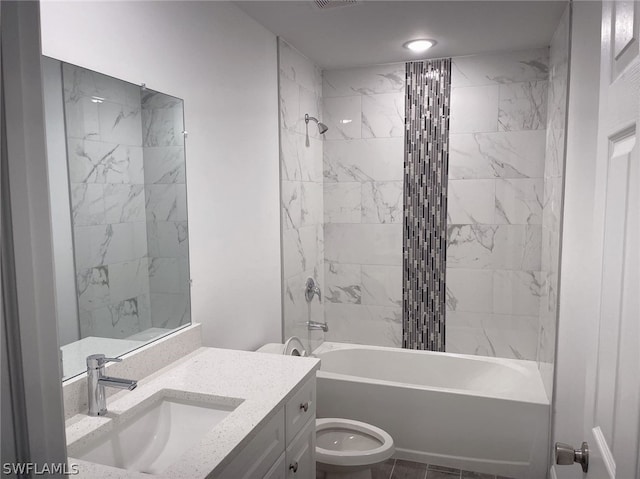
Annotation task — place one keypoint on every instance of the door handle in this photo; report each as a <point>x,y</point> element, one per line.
<point>565,454</point>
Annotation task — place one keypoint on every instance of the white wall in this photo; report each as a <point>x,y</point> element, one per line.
<point>223,64</point>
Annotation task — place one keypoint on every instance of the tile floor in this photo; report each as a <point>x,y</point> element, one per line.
<point>400,469</point>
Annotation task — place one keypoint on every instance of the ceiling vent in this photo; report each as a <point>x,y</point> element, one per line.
<point>327,4</point>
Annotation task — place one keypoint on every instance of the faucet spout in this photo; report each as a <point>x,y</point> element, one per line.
<point>316,326</point>
<point>118,383</point>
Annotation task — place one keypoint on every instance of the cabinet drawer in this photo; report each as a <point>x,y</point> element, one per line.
<point>279,469</point>
<point>257,457</point>
<point>300,408</point>
<point>301,453</point>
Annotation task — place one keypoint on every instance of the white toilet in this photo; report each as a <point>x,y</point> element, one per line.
<point>347,449</point>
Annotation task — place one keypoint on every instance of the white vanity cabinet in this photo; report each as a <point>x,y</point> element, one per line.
<point>284,448</point>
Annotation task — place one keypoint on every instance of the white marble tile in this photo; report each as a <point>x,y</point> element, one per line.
<point>128,279</point>
<point>382,285</point>
<point>364,243</point>
<point>552,209</point>
<point>513,154</point>
<point>291,204</point>
<point>81,119</point>
<point>377,159</point>
<point>471,246</point>
<point>523,106</point>
<point>170,310</point>
<point>124,203</point>
<point>311,203</point>
<point>343,116</point>
<point>554,157</point>
<point>342,202</point>
<point>486,334</point>
<point>120,124</point>
<point>164,164</point>
<point>343,283</point>
<point>105,244</point>
<point>517,247</point>
<point>165,202</point>
<point>360,324</point>
<point>119,320</point>
<point>93,288</point>
<point>497,68</point>
<point>151,99</point>
<point>474,109</point>
<point>169,239</point>
<point>163,127</point>
<point>471,201</point>
<point>299,161</point>
<point>301,249</point>
<point>87,204</point>
<point>382,202</point>
<point>80,82</point>
<point>289,103</point>
<point>383,115</point>
<point>371,80</point>
<point>296,67</point>
<point>470,290</point>
<point>99,162</point>
<point>164,275</point>
<point>516,292</point>
<point>519,201</point>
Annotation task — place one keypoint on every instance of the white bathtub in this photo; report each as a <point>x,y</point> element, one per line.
<point>482,414</point>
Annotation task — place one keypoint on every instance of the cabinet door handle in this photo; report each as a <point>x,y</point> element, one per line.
<point>305,406</point>
<point>294,467</point>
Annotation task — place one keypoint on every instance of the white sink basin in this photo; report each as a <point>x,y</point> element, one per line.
<point>156,437</point>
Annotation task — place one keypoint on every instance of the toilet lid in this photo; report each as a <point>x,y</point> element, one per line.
<point>345,442</point>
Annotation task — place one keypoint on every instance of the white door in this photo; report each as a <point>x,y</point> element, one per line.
<point>612,356</point>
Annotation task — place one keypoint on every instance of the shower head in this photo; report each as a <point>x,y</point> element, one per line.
<point>322,128</point>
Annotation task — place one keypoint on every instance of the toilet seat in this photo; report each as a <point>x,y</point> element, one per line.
<point>381,442</point>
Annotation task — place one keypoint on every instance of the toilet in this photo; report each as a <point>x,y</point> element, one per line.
<point>346,449</point>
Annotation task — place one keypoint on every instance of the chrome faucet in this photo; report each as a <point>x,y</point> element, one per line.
<point>315,326</point>
<point>97,381</point>
<point>311,289</point>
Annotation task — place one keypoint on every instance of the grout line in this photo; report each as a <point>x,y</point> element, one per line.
<point>392,468</point>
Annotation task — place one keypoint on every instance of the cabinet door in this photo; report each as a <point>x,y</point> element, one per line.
<point>301,453</point>
<point>279,469</point>
<point>257,457</point>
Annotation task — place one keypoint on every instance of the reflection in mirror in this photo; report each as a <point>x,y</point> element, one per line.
<point>124,158</point>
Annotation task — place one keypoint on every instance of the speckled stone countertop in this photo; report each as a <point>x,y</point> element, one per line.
<point>264,383</point>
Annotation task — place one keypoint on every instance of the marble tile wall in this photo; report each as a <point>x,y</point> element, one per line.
<point>104,144</point>
<point>363,155</point>
<point>495,278</point>
<point>166,209</point>
<point>553,194</point>
<point>300,92</point>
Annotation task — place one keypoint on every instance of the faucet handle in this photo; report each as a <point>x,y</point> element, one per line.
<point>96,361</point>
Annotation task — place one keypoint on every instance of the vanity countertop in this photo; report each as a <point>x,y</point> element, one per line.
<point>263,381</point>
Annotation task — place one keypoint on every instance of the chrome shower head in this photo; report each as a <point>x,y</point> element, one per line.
<point>322,128</point>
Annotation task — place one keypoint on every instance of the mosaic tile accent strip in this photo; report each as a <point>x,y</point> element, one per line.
<point>426,159</point>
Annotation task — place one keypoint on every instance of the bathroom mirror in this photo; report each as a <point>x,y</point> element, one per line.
<point>118,193</point>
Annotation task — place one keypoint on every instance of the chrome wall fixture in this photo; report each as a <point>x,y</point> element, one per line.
<point>322,128</point>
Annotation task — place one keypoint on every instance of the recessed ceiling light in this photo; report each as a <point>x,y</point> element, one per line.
<point>419,46</point>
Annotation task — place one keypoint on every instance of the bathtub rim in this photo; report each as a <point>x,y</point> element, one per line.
<point>526,366</point>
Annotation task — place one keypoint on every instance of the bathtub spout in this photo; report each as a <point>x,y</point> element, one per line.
<point>315,326</point>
